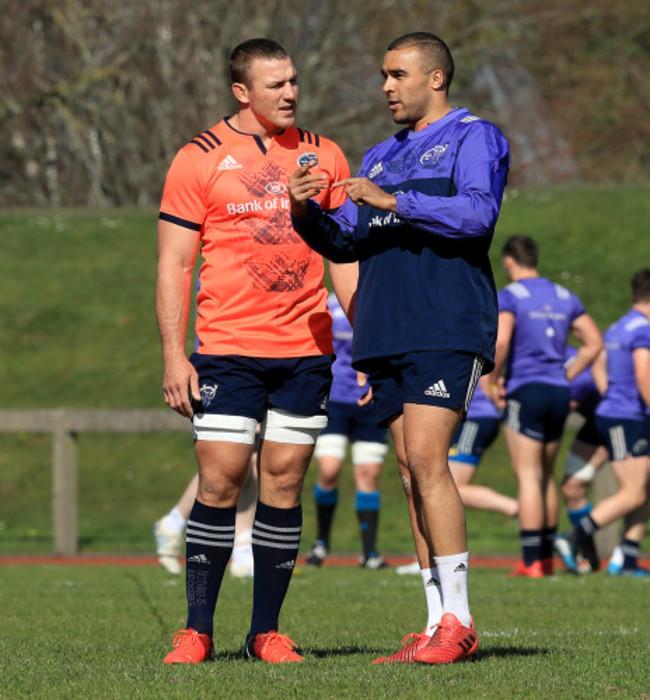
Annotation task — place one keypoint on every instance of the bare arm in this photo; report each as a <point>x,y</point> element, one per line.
<point>345,277</point>
<point>599,371</point>
<point>641,358</point>
<point>584,328</point>
<point>492,384</point>
<point>177,249</point>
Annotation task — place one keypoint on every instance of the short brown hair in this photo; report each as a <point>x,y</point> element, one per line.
<point>435,52</point>
<point>243,55</point>
<point>522,249</point>
<point>640,284</point>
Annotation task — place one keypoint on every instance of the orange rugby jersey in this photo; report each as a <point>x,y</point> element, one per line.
<point>261,287</point>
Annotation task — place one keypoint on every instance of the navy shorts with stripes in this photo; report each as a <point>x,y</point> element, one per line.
<point>444,378</point>
<point>538,411</point>
<point>472,438</point>
<point>624,437</point>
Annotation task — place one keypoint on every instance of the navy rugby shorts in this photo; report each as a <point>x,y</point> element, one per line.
<point>357,423</point>
<point>624,437</point>
<point>538,411</point>
<point>472,438</point>
<point>444,378</point>
<point>248,386</point>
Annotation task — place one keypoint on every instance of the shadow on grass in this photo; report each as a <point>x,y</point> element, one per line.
<point>492,652</point>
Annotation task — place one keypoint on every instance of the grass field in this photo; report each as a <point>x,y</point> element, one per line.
<point>79,331</point>
<point>79,632</point>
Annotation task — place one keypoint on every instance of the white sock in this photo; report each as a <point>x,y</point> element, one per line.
<point>433,594</point>
<point>174,521</point>
<point>242,552</point>
<point>617,556</point>
<point>453,581</point>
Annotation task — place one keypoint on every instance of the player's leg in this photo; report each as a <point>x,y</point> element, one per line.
<point>168,531</point>
<point>526,456</point>
<point>551,505</point>
<point>297,398</point>
<point>241,563</point>
<point>413,642</point>
<point>369,448</point>
<point>479,496</point>
<point>631,471</point>
<point>330,455</point>
<point>223,468</point>
<point>367,458</point>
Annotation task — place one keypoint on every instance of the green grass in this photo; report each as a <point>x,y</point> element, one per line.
<point>78,330</point>
<point>77,632</point>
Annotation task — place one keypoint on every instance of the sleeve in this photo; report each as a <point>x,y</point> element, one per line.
<point>330,235</point>
<point>183,200</point>
<point>641,337</point>
<point>479,178</point>
<point>337,169</point>
<point>507,301</point>
<point>578,307</point>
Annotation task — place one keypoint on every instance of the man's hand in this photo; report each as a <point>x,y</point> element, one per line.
<point>304,184</point>
<point>362,381</point>
<point>180,380</point>
<point>361,190</point>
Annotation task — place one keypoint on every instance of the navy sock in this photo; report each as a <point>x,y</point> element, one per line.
<point>631,550</point>
<point>548,538</point>
<point>367,507</point>
<point>209,538</point>
<point>585,528</point>
<point>276,538</point>
<point>531,545</point>
<point>326,502</point>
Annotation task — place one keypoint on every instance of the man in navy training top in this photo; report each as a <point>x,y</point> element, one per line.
<point>419,221</point>
<point>622,373</point>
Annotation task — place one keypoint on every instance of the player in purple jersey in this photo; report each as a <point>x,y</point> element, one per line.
<point>348,423</point>
<point>419,221</point>
<point>623,370</point>
<point>586,455</point>
<point>536,317</point>
<point>471,439</point>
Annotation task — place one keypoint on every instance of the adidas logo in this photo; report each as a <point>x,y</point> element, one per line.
<point>467,643</point>
<point>460,567</point>
<point>432,582</point>
<point>199,559</point>
<point>229,163</point>
<point>286,564</point>
<point>438,389</point>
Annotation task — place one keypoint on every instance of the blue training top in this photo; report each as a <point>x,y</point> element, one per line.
<point>425,280</point>
<point>345,388</point>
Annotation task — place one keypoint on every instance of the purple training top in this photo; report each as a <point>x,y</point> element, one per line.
<point>544,312</point>
<point>344,385</point>
<point>622,398</point>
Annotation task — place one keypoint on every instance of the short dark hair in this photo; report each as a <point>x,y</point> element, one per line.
<point>243,55</point>
<point>522,249</point>
<point>640,284</point>
<point>435,52</point>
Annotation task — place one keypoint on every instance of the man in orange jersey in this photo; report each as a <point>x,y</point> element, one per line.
<point>264,338</point>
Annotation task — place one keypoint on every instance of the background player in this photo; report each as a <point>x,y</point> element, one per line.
<point>586,455</point>
<point>622,374</point>
<point>264,332</point>
<point>348,422</point>
<point>536,317</point>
